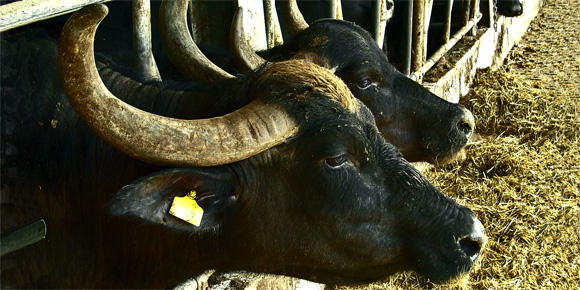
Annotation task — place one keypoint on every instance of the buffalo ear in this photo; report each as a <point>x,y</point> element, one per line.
<point>150,198</point>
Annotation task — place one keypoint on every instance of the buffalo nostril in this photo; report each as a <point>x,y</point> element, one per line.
<point>466,123</point>
<point>464,127</point>
<point>473,243</point>
<point>471,248</point>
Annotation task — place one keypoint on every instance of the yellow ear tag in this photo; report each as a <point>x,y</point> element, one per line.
<point>187,209</point>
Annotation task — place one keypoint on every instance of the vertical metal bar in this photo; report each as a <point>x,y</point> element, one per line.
<point>473,14</point>
<point>407,45</point>
<point>465,10</point>
<point>142,46</point>
<point>418,55</point>
<point>273,30</point>
<point>334,9</point>
<point>211,21</point>
<point>254,23</point>
<point>380,18</point>
<point>386,7</point>
<point>426,22</point>
<point>491,16</point>
<point>376,18</point>
<point>447,21</point>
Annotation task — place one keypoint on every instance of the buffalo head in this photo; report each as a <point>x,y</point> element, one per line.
<point>421,125</point>
<point>298,182</point>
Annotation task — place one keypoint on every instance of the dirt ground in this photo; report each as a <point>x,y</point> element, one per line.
<point>521,175</point>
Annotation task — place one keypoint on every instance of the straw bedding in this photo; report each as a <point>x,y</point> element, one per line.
<point>521,174</point>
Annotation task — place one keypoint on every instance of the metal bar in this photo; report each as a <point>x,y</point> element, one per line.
<point>418,54</point>
<point>273,30</point>
<point>254,23</point>
<point>219,14</point>
<point>445,48</point>
<point>142,46</point>
<point>24,12</point>
<point>408,43</point>
<point>474,11</point>
<point>379,21</point>
<point>447,22</point>
<point>426,23</point>
<point>465,10</point>
<point>334,9</point>
<point>23,237</point>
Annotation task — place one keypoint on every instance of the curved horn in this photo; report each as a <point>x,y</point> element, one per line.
<point>180,47</point>
<point>153,138</point>
<point>294,19</point>
<point>244,56</point>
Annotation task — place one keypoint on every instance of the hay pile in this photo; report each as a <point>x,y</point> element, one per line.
<point>522,174</point>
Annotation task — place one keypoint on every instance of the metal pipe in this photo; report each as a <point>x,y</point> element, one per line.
<point>447,21</point>
<point>465,10</point>
<point>273,30</point>
<point>380,17</point>
<point>407,42</point>
<point>23,237</point>
<point>24,12</point>
<point>474,11</point>
<point>418,53</point>
<point>142,46</point>
<point>445,48</point>
<point>334,9</point>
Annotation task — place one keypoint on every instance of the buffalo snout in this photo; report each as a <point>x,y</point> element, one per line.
<point>473,243</point>
<point>465,123</point>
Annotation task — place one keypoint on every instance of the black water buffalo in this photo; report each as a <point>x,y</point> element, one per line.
<point>509,8</point>
<point>298,181</point>
<point>421,125</point>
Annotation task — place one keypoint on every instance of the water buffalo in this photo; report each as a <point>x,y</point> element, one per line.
<point>509,8</point>
<point>421,125</point>
<point>298,181</point>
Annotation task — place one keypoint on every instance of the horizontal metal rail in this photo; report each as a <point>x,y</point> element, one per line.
<point>28,11</point>
<point>24,12</point>
<point>436,56</point>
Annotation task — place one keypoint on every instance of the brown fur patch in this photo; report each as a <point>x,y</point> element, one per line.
<point>313,58</point>
<point>321,79</point>
<point>319,40</point>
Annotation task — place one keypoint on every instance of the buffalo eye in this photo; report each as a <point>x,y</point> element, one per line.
<point>364,84</point>
<point>336,161</point>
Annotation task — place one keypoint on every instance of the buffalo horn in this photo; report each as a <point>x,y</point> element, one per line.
<point>244,56</point>
<point>153,138</point>
<point>180,47</point>
<point>294,19</point>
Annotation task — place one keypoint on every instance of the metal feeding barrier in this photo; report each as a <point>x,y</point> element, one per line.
<point>453,18</point>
